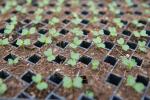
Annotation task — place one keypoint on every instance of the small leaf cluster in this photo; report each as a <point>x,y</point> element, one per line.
<point>136,23</point>
<point>43,3</point>
<point>89,93</point>
<point>49,54</point>
<point>53,32</point>
<point>37,19</point>
<point>73,59</point>
<point>77,31</point>
<point>3,87</point>
<point>124,46</point>
<point>40,85</point>
<point>118,22</point>
<point>141,46</point>
<point>95,64</point>
<point>4,42</point>
<point>98,42</point>
<point>75,43</point>
<point>54,21</point>
<point>39,11</point>
<point>45,39</point>
<point>21,9</point>
<point>113,31</point>
<point>130,63</point>
<point>137,86</point>
<point>30,31</point>
<point>97,33</point>
<point>139,34</point>
<point>25,42</point>
<point>76,82</point>
<point>92,7</point>
<point>76,19</point>
<point>13,61</point>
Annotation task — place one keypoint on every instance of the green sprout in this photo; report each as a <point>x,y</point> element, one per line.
<point>40,85</point>
<point>70,83</point>
<point>43,3</point>
<point>136,23</point>
<point>137,86</point>
<point>89,93</point>
<point>93,8</point>
<point>118,22</point>
<point>53,32</point>
<point>73,59</point>
<point>139,34</point>
<point>95,64</point>
<point>54,21</point>
<point>77,31</point>
<point>129,2</point>
<point>124,46</point>
<point>4,42</point>
<point>44,39</point>
<point>13,61</point>
<point>49,54</point>
<point>97,33</point>
<point>130,63</point>
<point>23,43</point>
<point>39,11</point>
<point>76,42</point>
<point>113,31</point>
<point>3,87</point>
<point>29,1</point>
<point>94,19</point>
<point>57,9</point>
<point>98,42</point>
<point>28,32</point>
<point>76,19</point>
<point>21,9</point>
<point>37,19</point>
<point>141,46</point>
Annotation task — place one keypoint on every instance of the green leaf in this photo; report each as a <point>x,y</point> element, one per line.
<point>125,47</point>
<point>72,62</point>
<point>121,41</point>
<point>10,61</point>
<point>32,30</point>
<point>136,33</point>
<point>19,42</point>
<point>77,82</point>
<point>89,93</point>
<point>139,87</point>
<point>143,33</point>
<point>95,64</point>
<point>53,21</point>
<point>25,31</point>
<point>67,82</point>
<point>75,55</point>
<point>4,42</point>
<point>3,88</point>
<point>37,78</point>
<point>130,80</point>
<point>42,86</point>
<point>27,42</point>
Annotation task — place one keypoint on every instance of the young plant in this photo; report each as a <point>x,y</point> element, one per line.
<point>38,19</point>
<point>98,42</point>
<point>139,34</point>
<point>92,8</point>
<point>113,31</point>
<point>28,32</point>
<point>72,83</point>
<point>53,32</point>
<point>3,87</point>
<point>40,85</point>
<point>95,64</point>
<point>29,1</point>
<point>76,19</point>
<point>94,20</point>
<point>89,93</point>
<point>4,42</point>
<point>54,21</point>
<point>118,22</point>
<point>44,39</point>
<point>136,23</point>
<point>124,46</point>
<point>39,11</point>
<point>76,42</point>
<point>77,31</point>
<point>97,33</point>
<point>73,59</point>
<point>57,9</point>
<point>130,63</point>
<point>141,46</point>
<point>13,61</point>
<point>21,9</point>
<point>137,86</point>
<point>23,43</point>
<point>49,54</point>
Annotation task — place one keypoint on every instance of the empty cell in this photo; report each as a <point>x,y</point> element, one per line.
<point>85,32</point>
<point>138,60</point>
<point>114,79</point>
<point>27,77</point>
<point>67,12</point>
<point>2,30</point>
<point>62,44</point>
<point>148,32</point>
<point>85,21</point>
<point>54,96</point>
<point>143,22</point>
<point>42,31</point>
<point>85,60</point>
<point>85,44</point>
<point>64,31</point>
<point>4,74</point>
<point>56,78</point>
<point>46,21</point>
<point>27,21</point>
<point>84,12</point>
<point>104,21</point>
<point>59,59</point>
<point>84,97</point>
<point>116,98</point>
<point>149,44</point>
<point>22,96</point>
<point>102,12</point>
<point>10,56</point>
<point>124,22</point>
<point>14,43</point>
<point>132,45</point>
<point>106,32</point>
<point>126,32</point>
<point>146,98</point>
<point>142,79</point>
<point>49,12</point>
<point>34,58</point>
<point>66,21</point>
<point>85,80</point>
<point>108,45</point>
<point>38,44</point>
<point>110,60</point>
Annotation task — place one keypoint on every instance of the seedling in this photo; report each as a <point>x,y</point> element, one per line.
<point>43,3</point>
<point>77,31</point>
<point>70,83</point>
<point>23,43</point>
<point>40,85</point>
<point>4,42</point>
<point>118,22</point>
<point>49,54</point>
<point>44,39</point>
<point>76,19</point>
<point>141,46</point>
<point>29,1</point>
<point>124,46</point>
<point>13,61</point>
<point>97,33</point>
<point>39,11</point>
<point>113,31</point>
<point>76,42</point>
<point>95,64</point>
<point>3,87</point>
<point>57,9</point>
<point>136,23</point>
<point>21,9</point>
<point>37,19</point>
<point>54,21</point>
<point>73,59</point>
<point>129,2</point>
<point>94,20</point>
<point>137,86</point>
<point>53,32</point>
<point>139,34</point>
<point>98,42</point>
<point>89,93</point>
<point>93,7</point>
<point>28,32</point>
<point>130,63</point>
